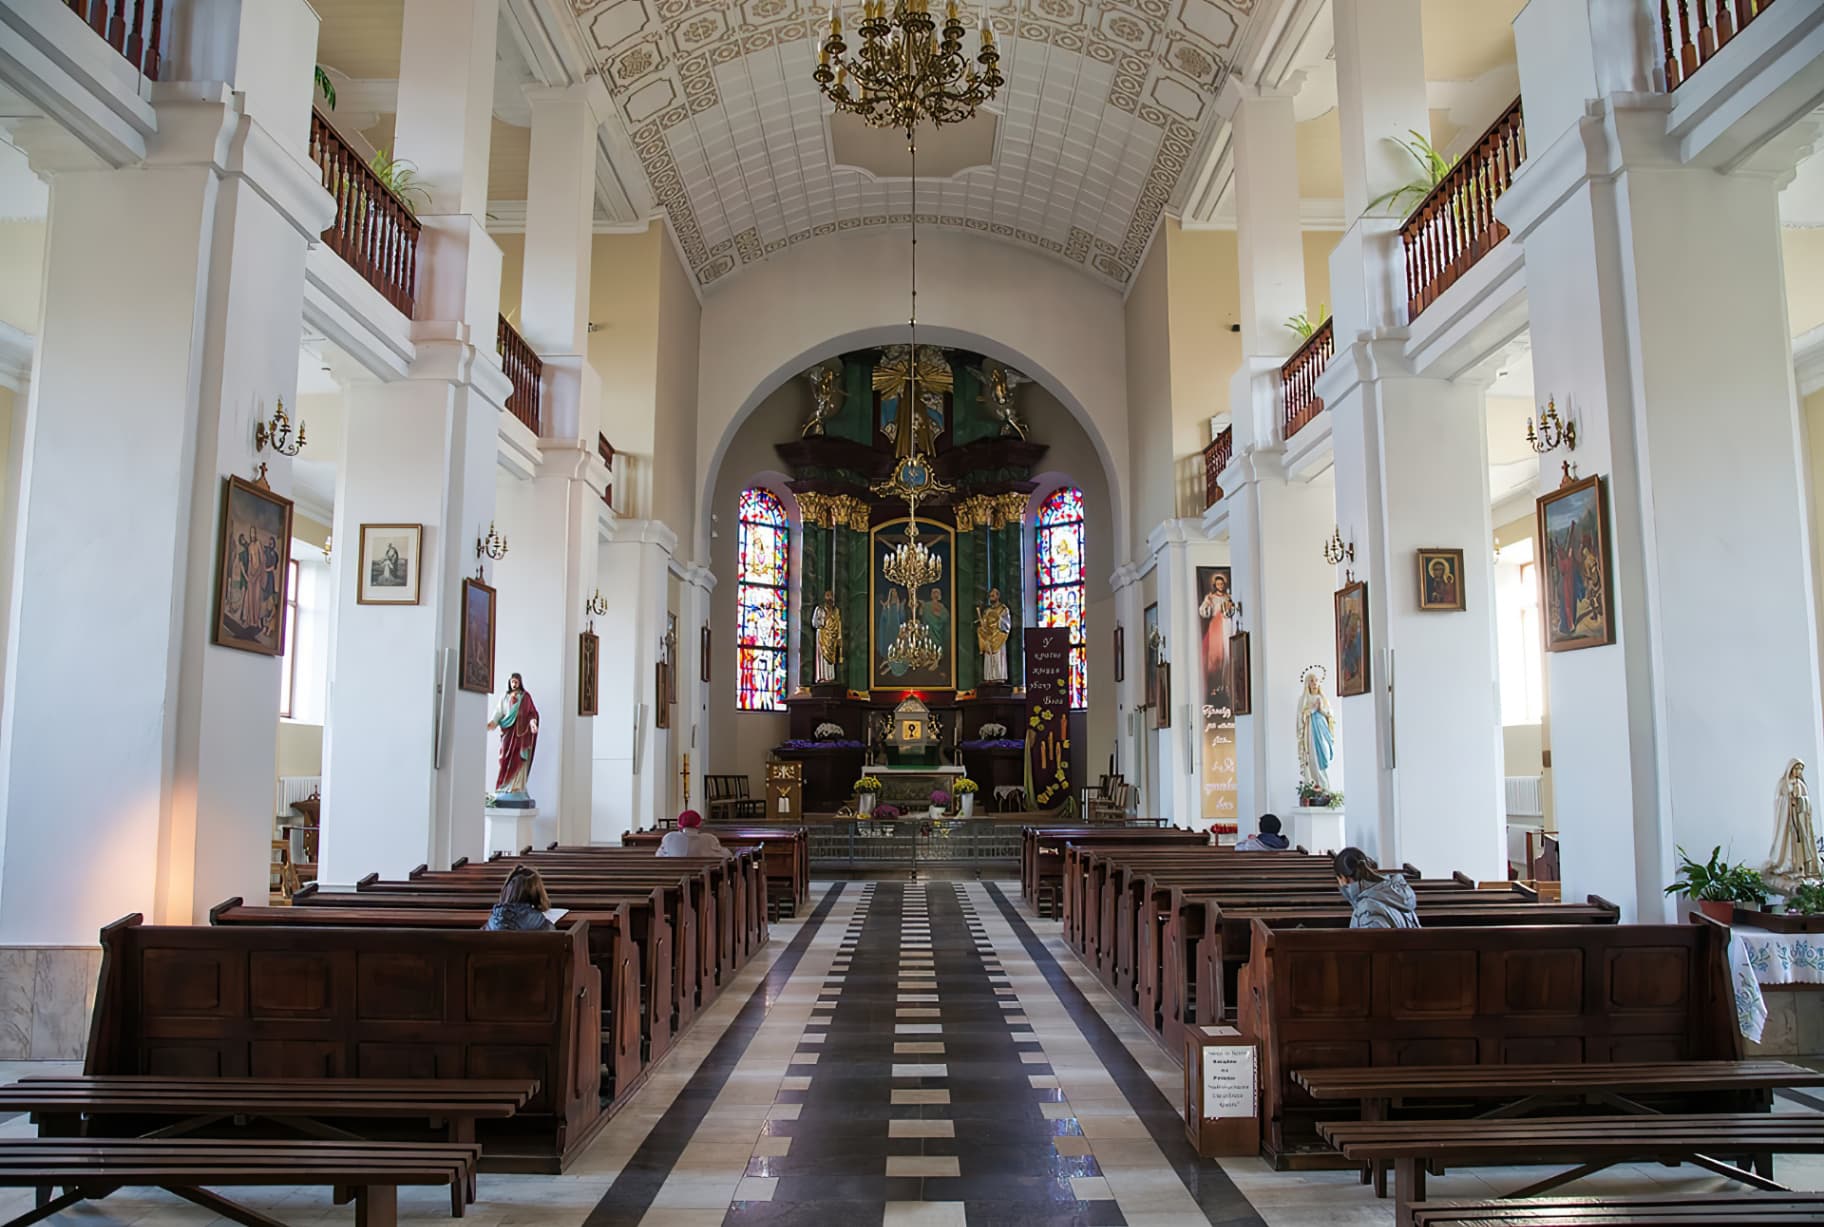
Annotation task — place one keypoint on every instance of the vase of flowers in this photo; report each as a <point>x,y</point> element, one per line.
<point>867,792</point>
<point>966,789</point>
<point>940,801</point>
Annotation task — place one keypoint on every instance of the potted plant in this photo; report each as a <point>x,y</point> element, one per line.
<point>1716,886</point>
<point>940,801</point>
<point>886,814</point>
<point>1310,796</point>
<point>1807,900</point>
<point>966,789</point>
<point>867,792</point>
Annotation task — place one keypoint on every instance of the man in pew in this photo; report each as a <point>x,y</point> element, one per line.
<point>690,839</point>
<point>523,903</point>
<point>1267,839</point>
<point>1376,900</point>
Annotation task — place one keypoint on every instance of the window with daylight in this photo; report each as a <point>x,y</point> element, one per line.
<point>762,602</point>
<point>1058,551</point>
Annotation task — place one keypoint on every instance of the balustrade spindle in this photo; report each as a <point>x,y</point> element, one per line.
<point>1216,456</point>
<point>1298,379</point>
<point>1455,225</point>
<point>374,232</point>
<point>526,371</point>
<point>1716,23</point>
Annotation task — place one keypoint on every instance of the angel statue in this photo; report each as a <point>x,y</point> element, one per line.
<point>1001,383</point>
<point>826,399</point>
<point>1795,844</point>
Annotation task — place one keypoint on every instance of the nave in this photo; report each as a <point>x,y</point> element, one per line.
<point>925,1053</point>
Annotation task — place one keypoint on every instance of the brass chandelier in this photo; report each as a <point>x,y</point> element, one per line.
<point>906,69</point>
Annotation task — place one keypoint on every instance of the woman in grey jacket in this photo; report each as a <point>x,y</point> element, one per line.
<point>1378,900</point>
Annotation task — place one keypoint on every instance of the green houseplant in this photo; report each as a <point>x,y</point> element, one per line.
<point>1716,886</point>
<point>1807,900</point>
<point>1304,325</point>
<point>1432,169</point>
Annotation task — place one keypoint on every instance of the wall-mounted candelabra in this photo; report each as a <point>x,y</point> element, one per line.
<point>491,546</point>
<point>1552,431</point>
<point>275,433</point>
<point>1336,550</point>
<point>595,607</point>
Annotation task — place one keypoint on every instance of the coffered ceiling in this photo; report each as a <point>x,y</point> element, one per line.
<point>1106,103</point>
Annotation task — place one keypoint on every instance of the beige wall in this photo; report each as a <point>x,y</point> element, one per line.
<point>1150,443</point>
<point>674,448</point>
<point>300,749</point>
<point>1204,294</point>
<point>1318,246</point>
<point>1803,251</point>
<point>22,283</point>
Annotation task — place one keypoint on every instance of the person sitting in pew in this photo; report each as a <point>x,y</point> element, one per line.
<point>1376,900</point>
<point>690,839</point>
<point>523,902</point>
<point>1267,839</point>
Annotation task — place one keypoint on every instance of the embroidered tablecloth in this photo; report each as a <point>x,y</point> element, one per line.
<point>1758,957</point>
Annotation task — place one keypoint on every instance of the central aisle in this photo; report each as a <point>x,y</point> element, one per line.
<point>915,1055</point>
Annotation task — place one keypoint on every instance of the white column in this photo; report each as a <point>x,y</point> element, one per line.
<point>693,693</point>
<point>1423,755</point>
<point>1276,524</point>
<point>631,753</point>
<point>406,758</point>
<point>137,756</point>
<point>555,518</point>
<point>1674,734</point>
<point>1130,692</point>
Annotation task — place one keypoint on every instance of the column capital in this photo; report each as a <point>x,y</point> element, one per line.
<point>1615,134</point>
<point>591,91</point>
<point>212,128</point>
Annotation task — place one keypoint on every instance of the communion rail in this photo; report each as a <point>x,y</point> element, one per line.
<point>1455,225</point>
<point>375,233</point>
<point>1298,379</point>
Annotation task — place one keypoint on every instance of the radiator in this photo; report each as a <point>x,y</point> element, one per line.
<point>1523,800</point>
<point>295,788</point>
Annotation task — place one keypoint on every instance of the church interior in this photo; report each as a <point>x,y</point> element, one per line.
<point>911,612</point>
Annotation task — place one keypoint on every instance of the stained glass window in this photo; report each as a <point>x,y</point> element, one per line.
<point>761,601</point>
<point>1058,553</point>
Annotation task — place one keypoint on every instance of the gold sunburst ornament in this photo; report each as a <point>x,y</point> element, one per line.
<point>906,68</point>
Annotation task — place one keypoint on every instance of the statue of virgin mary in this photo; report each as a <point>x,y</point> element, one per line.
<point>1795,842</point>
<point>1316,734</point>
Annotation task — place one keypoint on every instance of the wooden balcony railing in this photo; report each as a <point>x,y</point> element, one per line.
<point>605,450</point>
<point>374,232</point>
<point>1455,226</point>
<point>1216,458</point>
<point>1298,379</point>
<point>135,28</point>
<point>527,373</point>
<point>1694,30</point>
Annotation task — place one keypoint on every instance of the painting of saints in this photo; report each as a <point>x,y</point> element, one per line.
<point>255,559</point>
<point>1574,572</point>
<point>891,616</point>
<point>476,653</point>
<point>1352,640</point>
<point>1216,615</point>
<point>937,618</point>
<point>1441,580</point>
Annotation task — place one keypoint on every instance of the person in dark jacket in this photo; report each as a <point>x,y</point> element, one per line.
<point>1378,900</point>
<point>1268,839</point>
<point>523,902</point>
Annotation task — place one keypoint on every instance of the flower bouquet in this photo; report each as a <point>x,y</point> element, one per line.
<point>966,789</point>
<point>867,792</point>
<point>940,801</point>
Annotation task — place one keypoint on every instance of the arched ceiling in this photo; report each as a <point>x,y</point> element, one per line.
<point>1105,103</point>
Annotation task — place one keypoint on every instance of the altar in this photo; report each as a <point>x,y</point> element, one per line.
<point>910,788</point>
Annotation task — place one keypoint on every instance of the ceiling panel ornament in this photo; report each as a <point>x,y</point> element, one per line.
<point>1104,104</point>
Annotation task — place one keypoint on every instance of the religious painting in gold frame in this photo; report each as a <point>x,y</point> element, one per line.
<point>1352,639</point>
<point>475,670</point>
<point>1576,579</point>
<point>1162,687</point>
<point>890,608</point>
<point>1441,588</point>
<point>588,673</point>
<point>1241,676</point>
<point>253,567</point>
<point>662,695</point>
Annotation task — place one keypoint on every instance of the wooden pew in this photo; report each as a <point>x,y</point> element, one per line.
<point>1627,1210</point>
<point>1315,998</point>
<point>626,1017</point>
<point>202,1001</point>
<point>660,918</point>
<point>370,1173</point>
<point>785,851</point>
<point>1042,855</point>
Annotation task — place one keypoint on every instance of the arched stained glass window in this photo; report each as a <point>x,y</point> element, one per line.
<point>762,601</point>
<point>1058,551</point>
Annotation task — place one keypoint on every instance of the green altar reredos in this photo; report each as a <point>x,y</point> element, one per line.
<point>970,426</point>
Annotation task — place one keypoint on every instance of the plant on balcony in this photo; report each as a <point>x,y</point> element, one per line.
<point>326,87</point>
<point>1432,168</point>
<point>1304,325</point>
<point>401,177</point>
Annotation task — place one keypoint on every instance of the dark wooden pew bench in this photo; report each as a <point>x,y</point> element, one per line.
<point>1623,1210</point>
<point>370,1172</point>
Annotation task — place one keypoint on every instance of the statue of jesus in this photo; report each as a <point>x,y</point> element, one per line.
<point>993,624</point>
<point>516,716</point>
<point>827,619</point>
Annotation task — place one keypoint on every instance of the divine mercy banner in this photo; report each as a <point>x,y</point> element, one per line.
<point>1215,623</point>
<point>1047,715</point>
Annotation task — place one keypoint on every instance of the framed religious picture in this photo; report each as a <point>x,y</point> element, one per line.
<point>1575,577</point>
<point>476,671</point>
<point>1352,639</point>
<point>1149,623</point>
<point>1162,688</point>
<point>252,569</point>
<point>703,654</point>
<point>662,696</point>
<point>1120,653</point>
<point>1441,581</point>
<point>588,673</point>
<point>390,564</point>
<point>1241,679</point>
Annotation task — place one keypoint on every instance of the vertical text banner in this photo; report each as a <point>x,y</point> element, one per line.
<point>1047,715</point>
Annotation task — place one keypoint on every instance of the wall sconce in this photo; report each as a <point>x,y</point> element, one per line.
<point>329,542</point>
<point>1552,431</point>
<point>276,434</point>
<point>1235,609</point>
<point>595,607</point>
<point>491,546</point>
<point>1336,551</point>
<point>1157,643</point>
